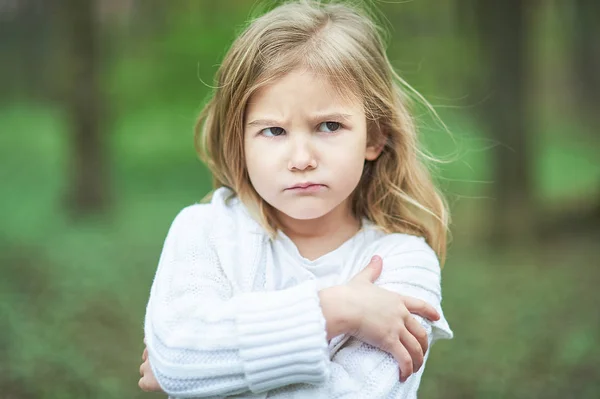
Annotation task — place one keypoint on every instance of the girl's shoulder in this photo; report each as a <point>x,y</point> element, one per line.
<point>222,215</point>
<point>392,244</point>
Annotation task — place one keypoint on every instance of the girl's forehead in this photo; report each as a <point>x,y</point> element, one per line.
<point>308,83</point>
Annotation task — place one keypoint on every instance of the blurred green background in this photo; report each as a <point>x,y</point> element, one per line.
<point>97,104</point>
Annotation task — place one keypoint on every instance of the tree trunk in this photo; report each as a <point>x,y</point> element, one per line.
<point>502,27</point>
<point>586,68</point>
<point>88,188</point>
<point>586,56</point>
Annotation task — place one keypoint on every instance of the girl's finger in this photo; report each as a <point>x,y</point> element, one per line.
<point>145,354</point>
<point>404,361</point>
<point>145,368</point>
<point>417,330</point>
<point>371,272</point>
<point>144,384</point>
<point>421,308</point>
<point>413,347</point>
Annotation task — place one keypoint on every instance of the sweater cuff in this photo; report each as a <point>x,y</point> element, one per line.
<point>282,337</point>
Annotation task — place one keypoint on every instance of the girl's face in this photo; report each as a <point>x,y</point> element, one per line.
<point>305,147</point>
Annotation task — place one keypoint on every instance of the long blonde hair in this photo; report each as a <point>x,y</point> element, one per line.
<point>341,42</point>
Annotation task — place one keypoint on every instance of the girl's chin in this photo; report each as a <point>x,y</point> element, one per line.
<point>303,214</point>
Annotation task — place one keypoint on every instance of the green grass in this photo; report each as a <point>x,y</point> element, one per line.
<point>73,293</point>
<point>525,324</point>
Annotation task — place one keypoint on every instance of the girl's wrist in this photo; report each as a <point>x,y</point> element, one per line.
<point>339,315</point>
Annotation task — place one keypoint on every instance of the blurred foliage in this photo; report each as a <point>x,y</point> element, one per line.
<point>73,290</point>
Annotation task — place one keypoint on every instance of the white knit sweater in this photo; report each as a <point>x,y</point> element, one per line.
<point>235,313</point>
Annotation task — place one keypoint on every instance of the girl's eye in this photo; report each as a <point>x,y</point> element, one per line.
<point>329,126</point>
<point>272,131</point>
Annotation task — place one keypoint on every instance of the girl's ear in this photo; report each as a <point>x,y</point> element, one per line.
<point>375,144</point>
<point>373,151</point>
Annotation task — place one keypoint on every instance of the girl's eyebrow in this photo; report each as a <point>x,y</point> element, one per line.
<point>264,122</point>
<point>323,117</point>
<point>332,116</point>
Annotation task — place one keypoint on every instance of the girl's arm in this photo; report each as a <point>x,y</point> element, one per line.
<point>203,341</point>
<point>359,370</point>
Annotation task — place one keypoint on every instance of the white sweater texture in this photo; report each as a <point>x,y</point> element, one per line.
<point>234,313</point>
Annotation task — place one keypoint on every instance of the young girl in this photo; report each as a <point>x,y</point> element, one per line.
<point>263,292</point>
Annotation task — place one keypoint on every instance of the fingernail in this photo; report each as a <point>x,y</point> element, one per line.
<point>375,258</point>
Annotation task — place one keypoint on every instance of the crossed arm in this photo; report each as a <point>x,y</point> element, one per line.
<point>273,341</point>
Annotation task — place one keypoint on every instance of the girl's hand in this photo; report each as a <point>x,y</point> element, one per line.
<point>148,382</point>
<point>383,319</point>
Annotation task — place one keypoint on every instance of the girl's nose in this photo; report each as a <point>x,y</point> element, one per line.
<point>302,156</point>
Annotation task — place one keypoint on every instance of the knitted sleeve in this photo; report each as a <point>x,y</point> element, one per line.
<point>203,340</point>
<point>359,370</point>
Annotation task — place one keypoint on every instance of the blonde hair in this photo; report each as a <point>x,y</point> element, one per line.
<point>341,42</point>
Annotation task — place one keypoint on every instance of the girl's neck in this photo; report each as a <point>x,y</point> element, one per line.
<point>317,237</point>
